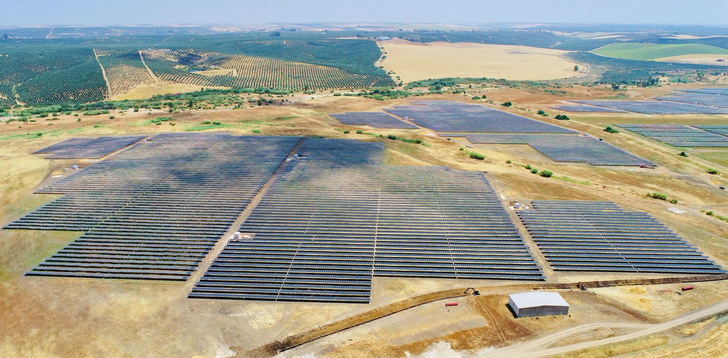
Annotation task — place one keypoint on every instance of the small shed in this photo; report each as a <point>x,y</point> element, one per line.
<point>531,304</point>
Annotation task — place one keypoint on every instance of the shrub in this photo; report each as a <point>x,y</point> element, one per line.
<point>673,201</point>
<point>359,131</point>
<point>172,123</point>
<point>392,136</point>
<point>508,161</point>
<point>660,196</point>
<point>541,112</point>
<point>534,170</point>
<point>346,131</point>
<point>712,171</point>
<point>475,155</point>
<point>610,130</point>
<point>476,98</point>
<point>683,154</point>
<point>506,104</point>
<point>206,122</point>
<point>709,213</point>
<point>112,117</point>
<point>216,123</point>
<point>256,131</point>
<point>546,174</point>
<point>562,117</point>
<point>462,148</point>
<point>528,166</point>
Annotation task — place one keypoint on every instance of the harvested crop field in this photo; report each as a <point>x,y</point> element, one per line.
<point>412,61</point>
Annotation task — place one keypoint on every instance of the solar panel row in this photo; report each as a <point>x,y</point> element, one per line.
<point>448,116</point>
<point>600,236</point>
<point>654,107</point>
<point>92,148</point>
<point>154,211</point>
<point>681,135</point>
<point>337,216</point>
<point>563,147</point>
<point>373,119</point>
<point>717,129</point>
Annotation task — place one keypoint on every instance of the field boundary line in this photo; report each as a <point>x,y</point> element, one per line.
<point>109,93</point>
<point>149,70</point>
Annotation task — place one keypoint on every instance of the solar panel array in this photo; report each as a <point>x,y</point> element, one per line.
<point>436,222</point>
<point>600,236</point>
<point>703,98</point>
<point>373,119</point>
<point>337,216</point>
<point>717,129</point>
<point>655,107</point>
<point>564,147</point>
<point>680,135</point>
<point>155,210</point>
<point>587,108</point>
<point>448,116</point>
<point>715,91</point>
<point>91,148</point>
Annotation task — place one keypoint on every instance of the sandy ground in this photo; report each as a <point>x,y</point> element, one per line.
<point>77,317</point>
<point>411,61</point>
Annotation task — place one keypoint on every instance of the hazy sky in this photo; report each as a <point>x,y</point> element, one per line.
<point>130,12</point>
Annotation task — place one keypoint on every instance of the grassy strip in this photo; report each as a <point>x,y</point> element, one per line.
<point>572,180</point>
<point>205,127</point>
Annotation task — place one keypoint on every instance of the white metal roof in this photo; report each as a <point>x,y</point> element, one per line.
<point>536,299</point>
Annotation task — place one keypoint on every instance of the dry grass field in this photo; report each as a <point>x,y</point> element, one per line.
<point>412,61</point>
<point>52,317</point>
<point>718,60</point>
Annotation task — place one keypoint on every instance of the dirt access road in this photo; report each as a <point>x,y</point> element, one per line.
<point>538,347</point>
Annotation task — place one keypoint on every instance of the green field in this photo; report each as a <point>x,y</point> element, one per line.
<point>650,51</point>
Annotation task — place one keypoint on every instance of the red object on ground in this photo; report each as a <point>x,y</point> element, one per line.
<point>687,288</point>
<point>451,304</point>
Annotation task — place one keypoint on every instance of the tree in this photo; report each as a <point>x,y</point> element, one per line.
<point>576,68</point>
<point>507,104</point>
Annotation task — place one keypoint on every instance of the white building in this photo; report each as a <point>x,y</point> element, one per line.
<point>530,304</point>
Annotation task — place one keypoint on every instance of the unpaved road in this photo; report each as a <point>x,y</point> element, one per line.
<point>222,242</point>
<point>538,347</point>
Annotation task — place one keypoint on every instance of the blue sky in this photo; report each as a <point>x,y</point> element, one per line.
<point>130,12</point>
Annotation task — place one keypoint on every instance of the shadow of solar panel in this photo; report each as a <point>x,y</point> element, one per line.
<point>681,135</point>
<point>373,119</point>
<point>332,221</point>
<point>583,108</point>
<point>155,210</point>
<point>655,107</point>
<point>448,116</point>
<point>564,147</point>
<point>92,148</point>
<point>600,236</point>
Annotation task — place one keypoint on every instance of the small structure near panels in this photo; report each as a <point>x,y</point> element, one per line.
<point>531,304</point>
